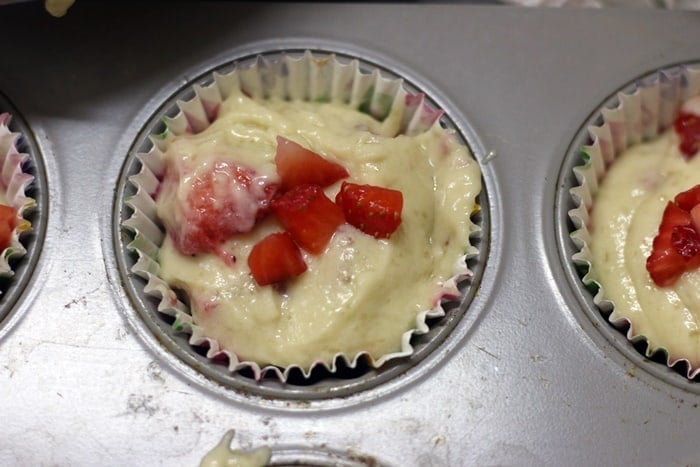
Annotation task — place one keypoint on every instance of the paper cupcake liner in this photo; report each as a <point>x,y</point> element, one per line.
<point>642,114</point>
<point>306,78</point>
<point>13,184</point>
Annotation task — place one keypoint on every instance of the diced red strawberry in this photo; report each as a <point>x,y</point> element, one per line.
<point>297,165</point>
<point>673,215</point>
<point>676,247</point>
<point>665,267</point>
<point>374,210</point>
<point>309,216</point>
<point>8,222</point>
<point>224,201</point>
<point>275,258</point>
<point>687,126</point>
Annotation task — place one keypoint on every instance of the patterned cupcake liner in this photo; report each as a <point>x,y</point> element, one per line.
<point>13,185</point>
<point>311,78</point>
<point>642,113</point>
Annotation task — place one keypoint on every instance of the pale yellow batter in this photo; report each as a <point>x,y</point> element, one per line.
<point>362,294</point>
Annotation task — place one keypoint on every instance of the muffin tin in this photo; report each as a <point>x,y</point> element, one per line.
<point>528,375</point>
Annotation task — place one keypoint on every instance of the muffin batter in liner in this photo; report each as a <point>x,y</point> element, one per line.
<point>641,115</point>
<point>306,78</point>
<point>13,184</point>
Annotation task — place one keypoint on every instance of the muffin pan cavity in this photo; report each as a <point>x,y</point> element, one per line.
<point>163,312</point>
<point>638,112</point>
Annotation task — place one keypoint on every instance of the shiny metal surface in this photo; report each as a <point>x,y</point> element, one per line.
<point>527,382</point>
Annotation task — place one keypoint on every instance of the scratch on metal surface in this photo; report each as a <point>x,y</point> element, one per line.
<point>83,299</point>
<point>82,346</point>
<point>11,371</point>
<point>483,349</point>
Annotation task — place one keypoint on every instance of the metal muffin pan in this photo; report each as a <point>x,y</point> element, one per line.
<point>526,379</point>
<point>321,384</point>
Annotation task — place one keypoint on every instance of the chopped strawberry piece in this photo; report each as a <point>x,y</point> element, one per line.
<point>676,247</point>
<point>687,126</point>
<point>275,258</point>
<point>8,222</point>
<point>297,165</point>
<point>221,202</point>
<point>309,216</point>
<point>665,268</point>
<point>673,215</point>
<point>374,210</point>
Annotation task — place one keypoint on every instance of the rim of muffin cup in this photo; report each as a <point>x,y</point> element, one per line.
<point>637,113</point>
<point>280,454</point>
<point>356,82</point>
